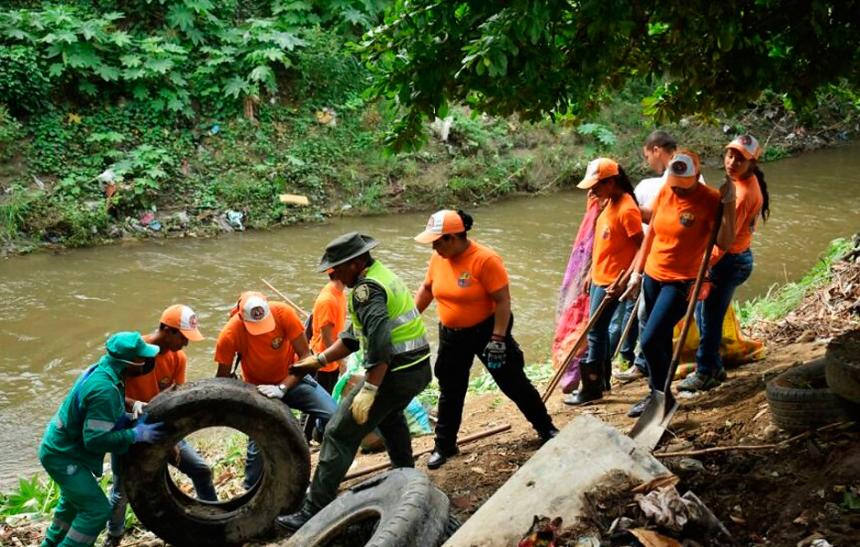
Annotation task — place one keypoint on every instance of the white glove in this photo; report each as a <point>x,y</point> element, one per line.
<point>632,286</point>
<point>272,391</point>
<point>137,409</point>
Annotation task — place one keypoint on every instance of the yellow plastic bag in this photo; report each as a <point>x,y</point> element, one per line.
<point>734,348</point>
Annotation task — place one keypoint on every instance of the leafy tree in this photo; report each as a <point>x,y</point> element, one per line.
<point>564,57</point>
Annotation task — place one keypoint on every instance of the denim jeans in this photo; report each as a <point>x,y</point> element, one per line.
<point>598,336</point>
<point>190,463</point>
<point>616,329</point>
<point>726,275</point>
<point>665,304</point>
<point>307,396</point>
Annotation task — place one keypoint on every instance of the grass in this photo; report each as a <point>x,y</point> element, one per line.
<point>780,300</point>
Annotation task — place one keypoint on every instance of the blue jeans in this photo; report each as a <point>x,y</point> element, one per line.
<point>598,336</point>
<point>190,463</point>
<point>726,275</point>
<point>307,396</point>
<point>616,329</point>
<point>665,304</point>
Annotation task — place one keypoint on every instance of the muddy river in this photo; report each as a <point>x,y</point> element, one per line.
<point>58,308</point>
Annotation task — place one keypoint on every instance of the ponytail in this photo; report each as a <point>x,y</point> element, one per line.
<point>467,222</point>
<point>765,204</point>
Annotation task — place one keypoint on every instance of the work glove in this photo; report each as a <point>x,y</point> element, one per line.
<point>148,433</point>
<point>137,409</point>
<point>728,194</point>
<point>632,286</point>
<point>272,391</point>
<point>362,402</point>
<point>495,353</point>
<point>125,421</point>
<point>308,364</point>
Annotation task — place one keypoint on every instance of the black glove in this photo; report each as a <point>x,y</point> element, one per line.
<point>495,353</point>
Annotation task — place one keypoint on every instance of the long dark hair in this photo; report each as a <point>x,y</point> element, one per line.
<point>623,182</point>
<point>765,203</point>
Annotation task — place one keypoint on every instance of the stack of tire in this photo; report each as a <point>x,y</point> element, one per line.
<point>819,392</point>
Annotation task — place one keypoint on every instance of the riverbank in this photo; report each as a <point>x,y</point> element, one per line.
<point>84,178</point>
<point>775,496</point>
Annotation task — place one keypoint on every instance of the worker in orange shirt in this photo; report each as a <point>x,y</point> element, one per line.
<point>329,318</point>
<point>177,326</point>
<point>268,336</point>
<point>731,268</point>
<point>681,219</point>
<point>617,236</point>
<point>470,285</point>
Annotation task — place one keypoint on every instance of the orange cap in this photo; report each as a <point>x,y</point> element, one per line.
<point>183,318</point>
<point>683,169</point>
<point>440,223</point>
<point>256,315</point>
<point>747,145</point>
<point>599,169</point>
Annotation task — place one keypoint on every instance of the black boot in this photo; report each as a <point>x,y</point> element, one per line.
<point>607,374</point>
<point>592,384</point>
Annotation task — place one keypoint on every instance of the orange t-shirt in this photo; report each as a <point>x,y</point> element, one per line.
<point>462,285</point>
<point>329,309</point>
<point>748,205</point>
<point>169,370</point>
<point>682,227</point>
<point>614,247</point>
<point>266,358</point>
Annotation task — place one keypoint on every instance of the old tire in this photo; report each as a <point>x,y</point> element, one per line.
<point>410,512</point>
<point>800,399</point>
<point>182,520</point>
<point>842,368</point>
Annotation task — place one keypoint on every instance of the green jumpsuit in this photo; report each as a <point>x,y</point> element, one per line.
<point>73,449</point>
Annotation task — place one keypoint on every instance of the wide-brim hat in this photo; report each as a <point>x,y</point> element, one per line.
<point>344,248</point>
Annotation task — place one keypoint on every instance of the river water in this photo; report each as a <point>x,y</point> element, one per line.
<point>59,308</point>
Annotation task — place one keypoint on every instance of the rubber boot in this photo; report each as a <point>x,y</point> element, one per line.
<point>591,388</point>
<point>607,375</point>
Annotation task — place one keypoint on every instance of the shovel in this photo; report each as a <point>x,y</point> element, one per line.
<point>570,354</point>
<point>651,425</point>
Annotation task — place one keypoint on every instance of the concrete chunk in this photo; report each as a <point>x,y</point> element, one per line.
<point>551,483</point>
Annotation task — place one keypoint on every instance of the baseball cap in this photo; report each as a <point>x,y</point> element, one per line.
<point>183,318</point>
<point>597,170</point>
<point>440,223</point>
<point>130,345</point>
<point>747,145</point>
<point>256,315</point>
<point>683,169</point>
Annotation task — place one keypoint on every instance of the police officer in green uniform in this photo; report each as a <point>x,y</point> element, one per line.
<point>91,422</point>
<point>388,329</point>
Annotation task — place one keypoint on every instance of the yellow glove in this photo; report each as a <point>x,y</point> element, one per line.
<point>362,402</point>
<point>309,364</point>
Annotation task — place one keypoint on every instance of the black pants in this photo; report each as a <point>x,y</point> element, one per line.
<point>457,350</point>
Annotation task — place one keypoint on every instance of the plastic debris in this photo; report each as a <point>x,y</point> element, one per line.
<point>146,218</point>
<point>215,129</point>
<point>326,116</point>
<point>234,218</point>
<point>155,226</point>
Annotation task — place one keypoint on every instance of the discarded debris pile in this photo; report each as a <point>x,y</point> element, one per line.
<point>620,512</point>
<point>825,312</point>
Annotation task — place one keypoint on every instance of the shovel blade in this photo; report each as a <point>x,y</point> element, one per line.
<point>649,429</point>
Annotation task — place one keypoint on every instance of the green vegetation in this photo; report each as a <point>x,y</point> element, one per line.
<point>117,114</point>
<point>568,59</point>
<point>781,300</point>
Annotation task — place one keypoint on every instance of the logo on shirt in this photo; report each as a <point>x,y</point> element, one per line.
<point>464,280</point>
<point>164,383</point>
<point>277,342</point>
<point>687,219</point>
<point>605,233</point>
